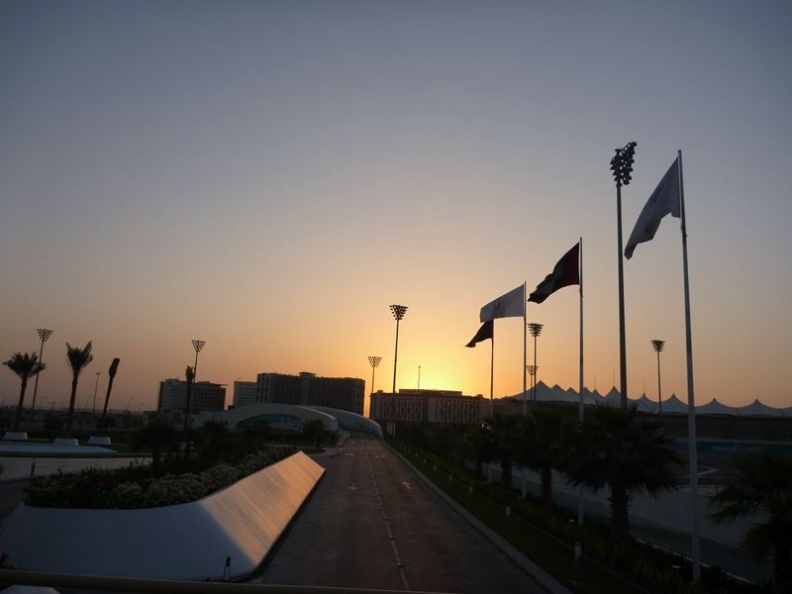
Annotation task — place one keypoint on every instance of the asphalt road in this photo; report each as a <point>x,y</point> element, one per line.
<point>373,523</point>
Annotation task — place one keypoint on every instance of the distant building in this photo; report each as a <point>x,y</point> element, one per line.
<point>434,406</point>
<point>206,396</point>
<point>246,393</point>
<point>307,389</point>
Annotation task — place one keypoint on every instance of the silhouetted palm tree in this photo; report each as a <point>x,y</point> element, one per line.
<point>25,365</point>
<point>78,358</point>
<point>507,433</point>
<point>111,374</point>
<point>189,375</point>
<point>626,452</point>
<point>763,488</point>
<point>158,434</point>
<point>547,441</point>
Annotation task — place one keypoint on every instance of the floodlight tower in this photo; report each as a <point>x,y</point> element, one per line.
<point>374,362</point>
<point>535,330</point>
<point>398,313</point>
<point>43,335</point>
<point>621,165</point>
<point>658,347</point>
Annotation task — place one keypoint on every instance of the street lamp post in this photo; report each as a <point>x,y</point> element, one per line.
<point>621,166</point>
<point>374,362</point>
<point>197,346</point>
<point>658,347</point>
<point>44,335</point>
<point>532,369</point>
<point>535,330</point>
<point>96,388</point>
<point>398,313</point>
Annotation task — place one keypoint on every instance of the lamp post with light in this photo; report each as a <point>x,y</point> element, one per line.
<point>398,313</point>
<point>658,347</point>
<point>197,346</point>
<point>621,166</point>
<point>43,335</point>
<point>535,330</point>
<point>374,362</point>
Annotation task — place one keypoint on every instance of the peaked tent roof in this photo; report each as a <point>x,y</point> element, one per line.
<point>756,408</point>
<point>646,405</point>
<point>716,408</point>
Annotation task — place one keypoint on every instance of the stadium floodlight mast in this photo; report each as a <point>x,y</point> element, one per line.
<point>621,165</point>
<point>658,347</point>
<point>398,312</point>
<point>197,346</point>
<point>374,362</point>
<point>43,335</point>
<point>535,330</point>
<point>532,369</point>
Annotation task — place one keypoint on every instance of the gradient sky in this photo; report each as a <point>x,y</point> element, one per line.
<point>269,176</point>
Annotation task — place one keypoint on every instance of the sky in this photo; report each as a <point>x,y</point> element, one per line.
<point>270,176</point>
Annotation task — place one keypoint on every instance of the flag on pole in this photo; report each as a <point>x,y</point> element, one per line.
<point>484,333</point>
<point>566,272</point>
<point>510,305</point>
<point>664,200</point>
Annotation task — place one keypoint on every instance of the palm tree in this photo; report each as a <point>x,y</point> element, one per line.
<point>25,365</point>
<point>78,358</point>
<point>158,434</point>
<point>507,433</point>
<point>189,375</point>
<point>546,446</point>
<point>764,489</point>
<point>625,452</point>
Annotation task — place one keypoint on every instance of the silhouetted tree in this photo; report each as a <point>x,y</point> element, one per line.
<point>25,365</point>
<point>547,441</point>
<point>763,488</point>
<point>79,359</point>
<point>159,435</point>
<point>189,375</point>
<point>112,373</point>
<point>625,452</point>
<point>506,435</point>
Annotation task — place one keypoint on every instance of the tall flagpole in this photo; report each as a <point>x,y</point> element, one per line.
<point>525,349</point>
<point>578,569</point>
<point>692,445</point>
<point>492,372</point>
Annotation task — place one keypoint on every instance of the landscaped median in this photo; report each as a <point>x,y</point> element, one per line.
<point>224,535</point>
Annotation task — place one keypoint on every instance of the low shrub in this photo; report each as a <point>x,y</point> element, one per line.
<point>138,486</point>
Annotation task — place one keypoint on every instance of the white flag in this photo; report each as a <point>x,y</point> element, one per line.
<point>664,200</point>
<point>510,305</point>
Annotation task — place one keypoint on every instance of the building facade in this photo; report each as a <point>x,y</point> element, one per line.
<point>246,393</point>
<point>308,389</point>
<point>205,396</point>
<point>434,406</point>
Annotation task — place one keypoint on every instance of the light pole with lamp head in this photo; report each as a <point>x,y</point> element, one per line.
<point>43,335</point>
<point>535,330</point>
<point>197,346</point>
<point>374,362</point>
<point>532,369</point>
<point>621,166</point>
<point>398,313</point>
<point>658,347</point>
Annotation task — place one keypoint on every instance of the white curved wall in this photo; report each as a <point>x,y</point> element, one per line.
<point>181,542</point>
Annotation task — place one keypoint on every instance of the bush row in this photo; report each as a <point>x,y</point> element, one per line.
<point>137,487</point>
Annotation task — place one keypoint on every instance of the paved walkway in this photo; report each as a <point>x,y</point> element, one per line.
<point>372,522</point>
